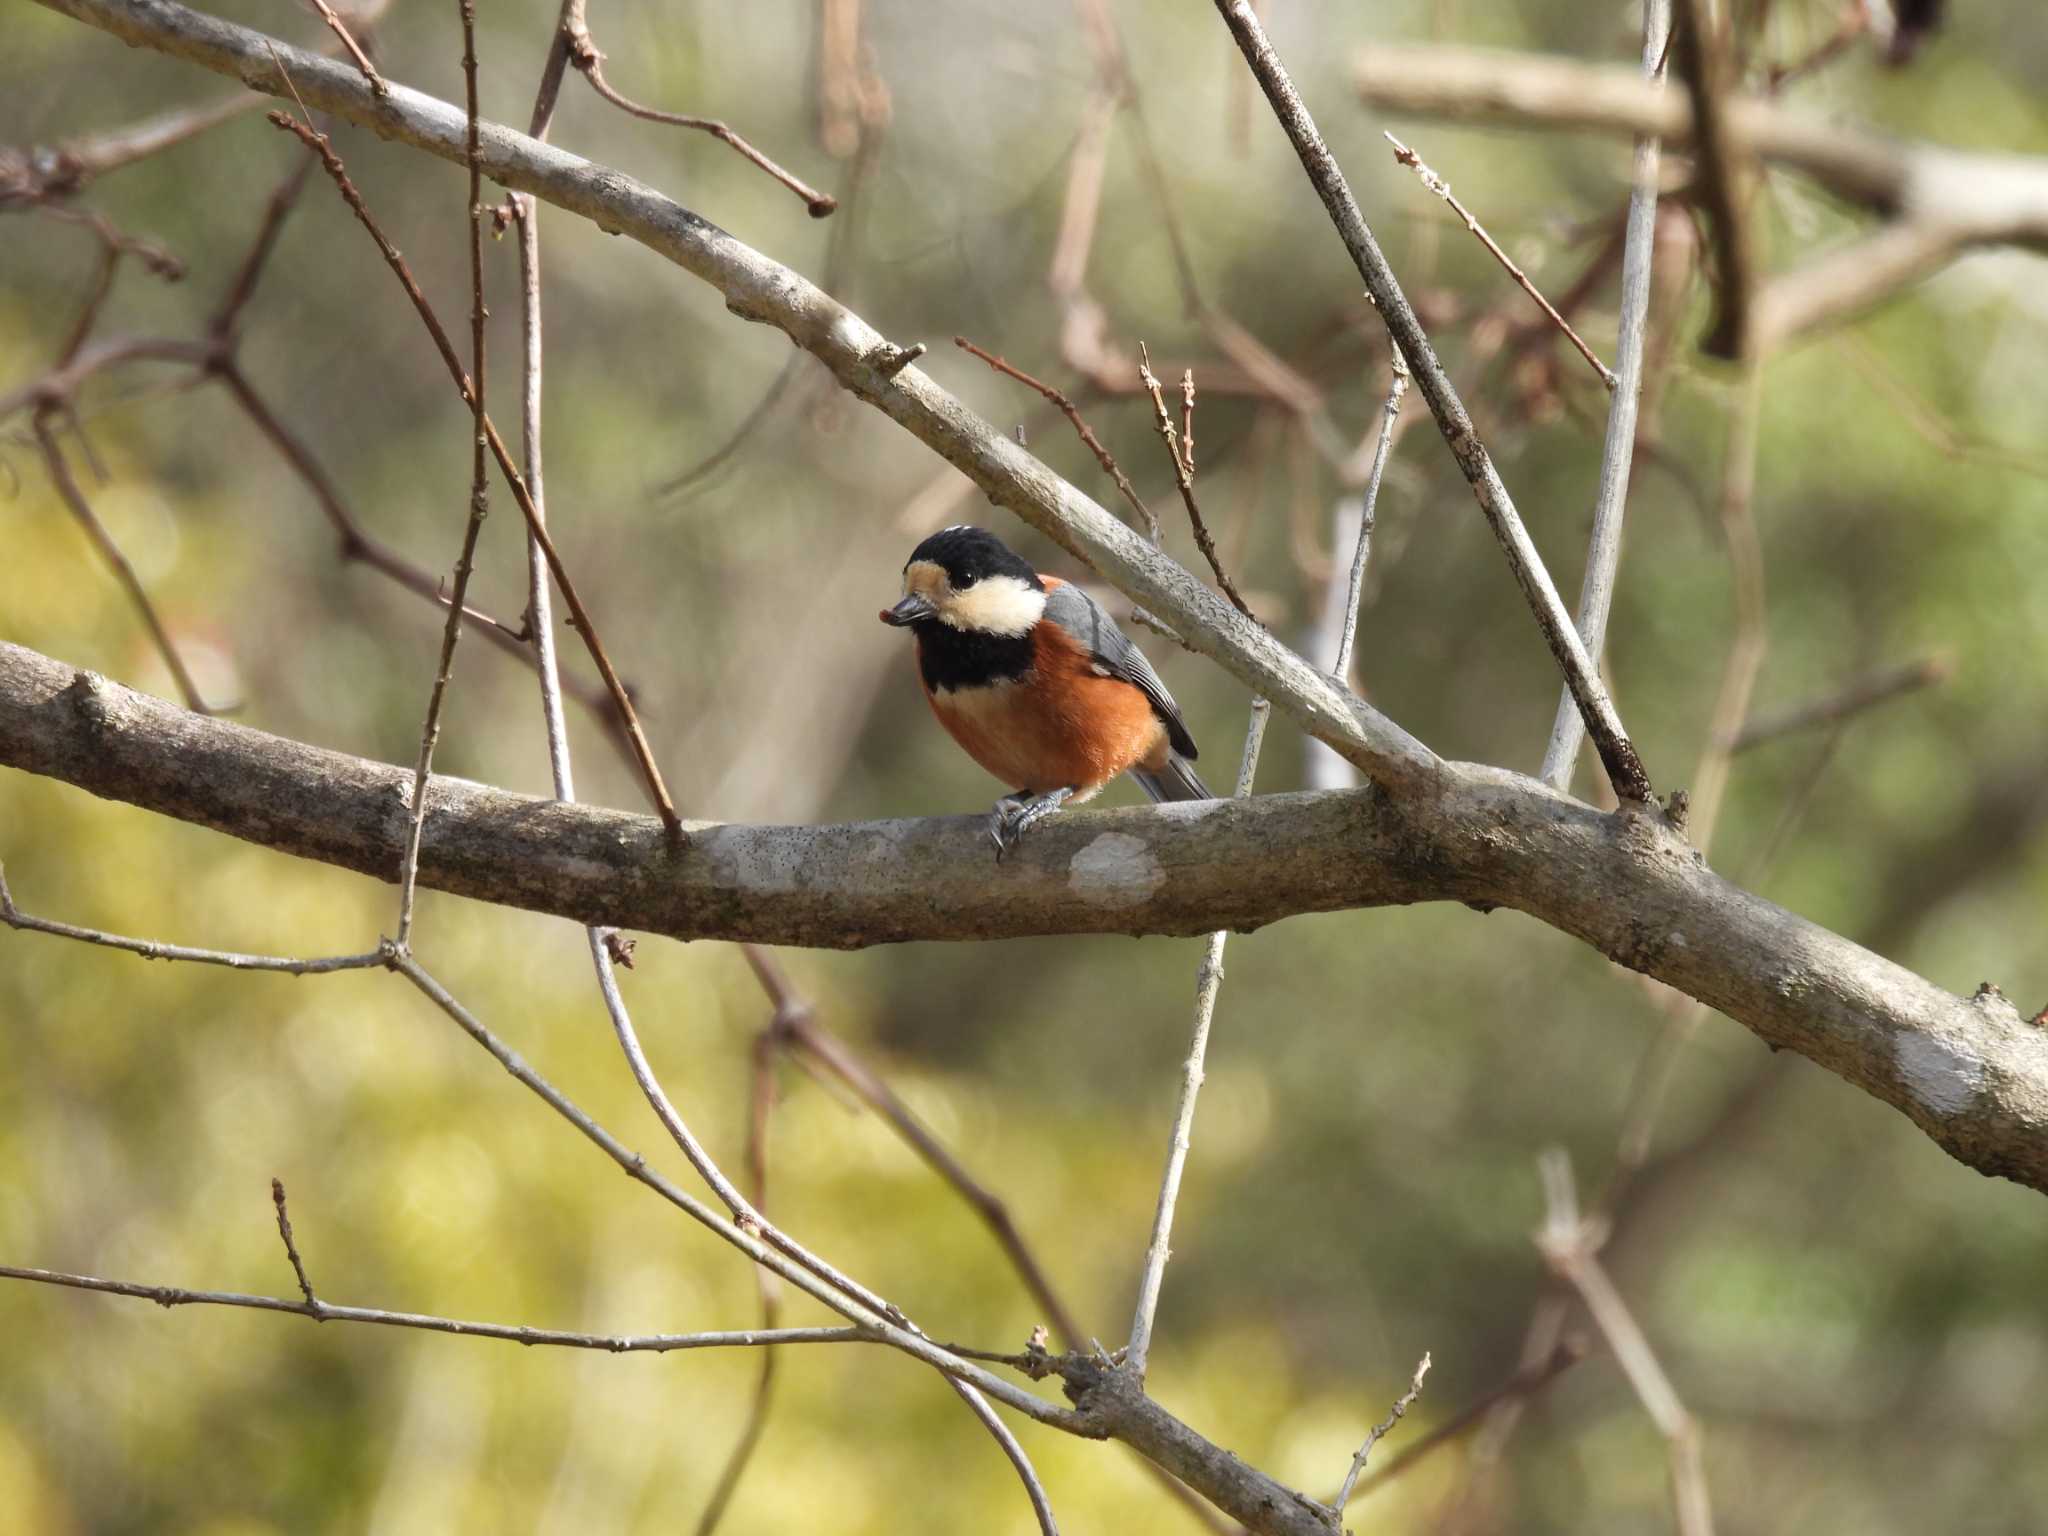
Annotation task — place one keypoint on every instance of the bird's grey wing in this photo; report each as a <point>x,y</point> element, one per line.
<point>1085,619</point>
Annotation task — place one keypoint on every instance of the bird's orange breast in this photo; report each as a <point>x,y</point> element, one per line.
<point>1061,726</point>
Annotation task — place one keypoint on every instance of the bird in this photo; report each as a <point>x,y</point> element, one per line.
<point>1036,683</point>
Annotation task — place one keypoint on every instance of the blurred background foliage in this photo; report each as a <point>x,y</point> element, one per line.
<point>1856,1320</point>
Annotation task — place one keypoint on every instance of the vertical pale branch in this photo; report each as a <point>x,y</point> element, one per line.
<point>1208,982</point>
<point>1617,453</point>
<point>1568,1245</point>
<point>479,494</point>
<point>1624,766</point>
<point>1354,595</point>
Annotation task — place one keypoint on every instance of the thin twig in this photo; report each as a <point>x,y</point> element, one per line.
<point>1354,595</point>
<point>1624,765</point>
<point>583,53</point>
<point>1570,1247</point>
<point>479,498</point>
<point>1208,982</point>
<point>276,209</point>
<point>579,619</point>
<point>362,59</point>
<point>1435,183</point>
<point>739,1235</point>
<point>45,172</point>
<point>1041,1506</point>
<point>110,550</point>
<point>761,1105</point>
<point>1701,54</point>
<point>1524,1383</point>
<point>152,949</point>
<point>1853,698</point>
<point>1147,517</point>
<point>326,1311</point>
<point>797,1025</point>
<point>1617,451</point>
<point>1184,471</point>
<point>291,1247</point>
<point>1379,1432</point>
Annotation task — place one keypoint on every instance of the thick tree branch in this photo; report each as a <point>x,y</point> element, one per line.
<point>757,288</point>
<point>1969,1071</point>
<point>2000,198</point>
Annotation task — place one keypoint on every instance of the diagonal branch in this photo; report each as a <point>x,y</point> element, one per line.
<point>759,289</point>
<point>1624,767</point>
<point>329,1312</point>
<point>1968,1071</point>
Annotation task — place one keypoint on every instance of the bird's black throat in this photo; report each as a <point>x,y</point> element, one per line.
<point>952,658</point>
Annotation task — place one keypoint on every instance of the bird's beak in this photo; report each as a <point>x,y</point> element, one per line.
<point>909,611</point>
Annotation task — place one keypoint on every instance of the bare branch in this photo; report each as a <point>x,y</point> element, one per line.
<point>362,59</point>
<point>479,490</point>
<point>1379,1432</point>
<point>41,173</point>
<point>1180,447</point>
<point>152,949</point>
<point>762,290</point>
<point>1571,1249</point>
<point>1354,595</point>
<point>1208,982</point>
<point>1147,518</point>
<point>1626,884</point>
<point>291,1248</point>
<point>580,619</point>
<point>1517,1388</point>
<point>1617,753</point>
<point>1442,189</point>
<point>110,550</point>
<point>583,53</point>
<point>1703,60</point>
<point>1859,694</point>
<point>1942,193</point>
<point>1617,450</point>
<point>329,1312</point>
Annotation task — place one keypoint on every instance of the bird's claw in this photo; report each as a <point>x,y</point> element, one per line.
<point>1014,815</point>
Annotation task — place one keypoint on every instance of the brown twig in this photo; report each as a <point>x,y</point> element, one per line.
<point>362,59</point>
<point>479,497</point>
<point>580,619</point>
<point>1435,183</point>
<point>1702,59</point>
<point>291,1248</point>
<point>110,550</point>
<point>584,54</point>
<point>1184,471</point>
<point>1859,694</point>
<point>1148,518</point>
<point>1570,1246</point>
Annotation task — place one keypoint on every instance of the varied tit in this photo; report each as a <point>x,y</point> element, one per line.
<point>1036,682</point>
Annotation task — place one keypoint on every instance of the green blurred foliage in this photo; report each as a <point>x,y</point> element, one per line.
<point>1855,1320</point>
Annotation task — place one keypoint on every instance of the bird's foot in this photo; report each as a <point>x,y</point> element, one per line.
<point>1014,815</point>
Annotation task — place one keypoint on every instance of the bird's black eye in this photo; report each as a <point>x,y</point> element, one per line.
<point>964,579</point>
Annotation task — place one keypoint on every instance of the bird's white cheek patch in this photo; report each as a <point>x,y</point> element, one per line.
<point>1943,1078</point>
<point>1115,870</point>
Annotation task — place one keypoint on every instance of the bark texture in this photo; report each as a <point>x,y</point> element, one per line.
<point>1969,1071</point>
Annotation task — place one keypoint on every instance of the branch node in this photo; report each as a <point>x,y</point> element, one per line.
<point>890,359</point>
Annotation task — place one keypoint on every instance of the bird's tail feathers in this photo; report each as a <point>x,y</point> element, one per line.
<point>1176,781</point>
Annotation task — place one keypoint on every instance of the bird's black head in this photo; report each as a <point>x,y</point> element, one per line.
<point>968,579</point>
